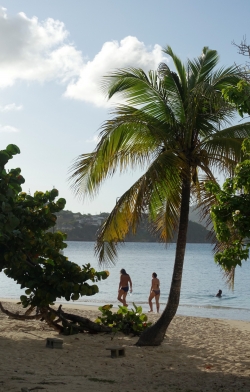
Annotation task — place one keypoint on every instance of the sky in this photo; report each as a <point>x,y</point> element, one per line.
<point>53,55</point>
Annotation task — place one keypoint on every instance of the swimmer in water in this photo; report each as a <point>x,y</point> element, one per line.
<point>219,294</point>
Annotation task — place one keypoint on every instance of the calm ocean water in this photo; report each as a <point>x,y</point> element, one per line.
<point>202,279</point>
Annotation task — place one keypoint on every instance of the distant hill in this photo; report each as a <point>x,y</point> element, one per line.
<point>84,227</point>
<point>195,217</point>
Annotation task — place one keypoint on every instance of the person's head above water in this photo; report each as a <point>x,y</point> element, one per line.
<point>123,271</point>
<point>219,293</point>
<point>154,275</point>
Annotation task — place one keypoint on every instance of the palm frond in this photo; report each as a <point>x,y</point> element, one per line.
<point>224,77</point>
<point>175,91</point>
<point>202,67</point>
<point>181,71</point>
<point>239,131</point>
<point>204,200</point>
<point>147,194</point>
<point>224,147</point>
<point>122,144</point>
<point>135,86</point>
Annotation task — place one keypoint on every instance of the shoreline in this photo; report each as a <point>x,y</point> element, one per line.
<point>80,305</point>
<point>241,324</point>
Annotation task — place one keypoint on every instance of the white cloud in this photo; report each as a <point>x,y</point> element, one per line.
<point>129,52</point>
<point>10,107</point>
<point>35,51</point>
<point>8,128</point>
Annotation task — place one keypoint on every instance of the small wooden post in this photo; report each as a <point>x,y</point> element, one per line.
<point>54,343</point>
<point>117,352</point>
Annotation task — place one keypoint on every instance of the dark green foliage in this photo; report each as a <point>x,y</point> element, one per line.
<point>84,233</point>
<point>29,253</point>
<point>239,95</point>
<point>125,320</point>
<point>231,214</point>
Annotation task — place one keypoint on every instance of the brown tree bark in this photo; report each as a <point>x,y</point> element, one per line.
<point>81,324</point>
<point>20,316</point>
<point>84,324</point>
<point>154,335</point>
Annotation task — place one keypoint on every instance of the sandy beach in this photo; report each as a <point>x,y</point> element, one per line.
<point>198,354</point>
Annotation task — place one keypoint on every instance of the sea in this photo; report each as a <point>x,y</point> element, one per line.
<point>202,278</point>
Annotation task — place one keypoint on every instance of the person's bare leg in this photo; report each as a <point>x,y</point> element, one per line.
<point>124,299</point>
<point>157,297</point>
<point>151,296</point>
<point>120,294</point>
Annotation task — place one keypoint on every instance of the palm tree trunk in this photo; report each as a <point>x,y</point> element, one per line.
<point>154,335</point>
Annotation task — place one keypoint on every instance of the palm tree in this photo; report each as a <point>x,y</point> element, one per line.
<point>171,125</point>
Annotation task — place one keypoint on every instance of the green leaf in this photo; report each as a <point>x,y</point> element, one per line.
<point>13,149</point>
<point>4,158</point>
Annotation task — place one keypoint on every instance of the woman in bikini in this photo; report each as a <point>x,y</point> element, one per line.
<point>154,293</point>
<point>123,287</point>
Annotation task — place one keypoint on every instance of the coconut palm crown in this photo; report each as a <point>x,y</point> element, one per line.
<point>177,127</point>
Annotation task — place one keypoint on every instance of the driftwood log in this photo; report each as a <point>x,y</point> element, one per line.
<point>59,320</point>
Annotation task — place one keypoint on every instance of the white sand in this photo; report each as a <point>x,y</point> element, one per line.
<point>198,354</point>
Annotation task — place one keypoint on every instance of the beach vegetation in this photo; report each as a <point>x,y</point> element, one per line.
<point>177,126</point>
<point>239,95</point>
<point>128,321</point>
<point>32,255</point>
<point>230,216</point>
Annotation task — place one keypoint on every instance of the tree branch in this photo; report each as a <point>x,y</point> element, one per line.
<point>85,324</point>
<point>20,316</point>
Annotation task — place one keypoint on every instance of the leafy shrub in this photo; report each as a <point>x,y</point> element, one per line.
<point>125,320</point>
<point>230,214</point>
<point>31,254</point>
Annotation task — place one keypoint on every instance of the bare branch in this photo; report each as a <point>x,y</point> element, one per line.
<point>243,47</point>
<point>20,316</point>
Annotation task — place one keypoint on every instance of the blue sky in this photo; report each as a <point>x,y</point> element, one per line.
<point>52,58</point>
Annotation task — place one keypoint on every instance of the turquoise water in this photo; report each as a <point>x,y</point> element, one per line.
<point>202,279</point>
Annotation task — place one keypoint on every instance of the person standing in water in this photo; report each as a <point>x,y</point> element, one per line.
<point>154,293</point>
<point>219,294</point>
<point>124,285</point>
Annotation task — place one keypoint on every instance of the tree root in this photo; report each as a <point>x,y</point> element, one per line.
<point>20,316</point>
<point>80,324</point>
<point>71,323</point>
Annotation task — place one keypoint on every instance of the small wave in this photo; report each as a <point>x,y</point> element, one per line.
<point>163,304</point>
<point>210,296</point>
<point>213,307</point>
